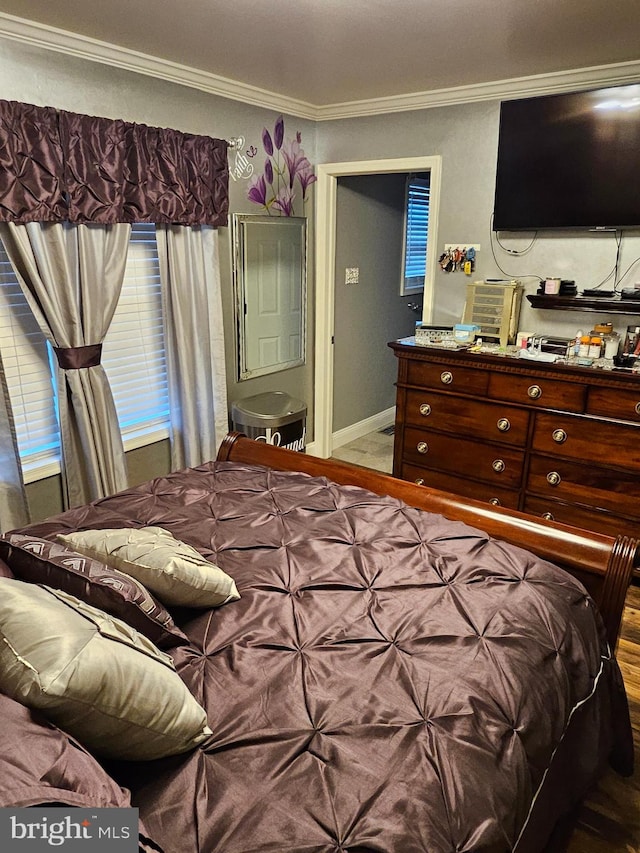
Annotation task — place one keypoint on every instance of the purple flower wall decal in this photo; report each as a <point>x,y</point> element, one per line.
<point>284,200</point>
<point>306,177</point>
<point>257,191</point>
<point>287,173</point>
<point>267,142</point>
<point>278,133</point>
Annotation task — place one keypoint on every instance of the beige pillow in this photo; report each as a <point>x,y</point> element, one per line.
<point>171,569</point>
<point>94,676</point>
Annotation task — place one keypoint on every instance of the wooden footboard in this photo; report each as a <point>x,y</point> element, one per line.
<point>603,564</point>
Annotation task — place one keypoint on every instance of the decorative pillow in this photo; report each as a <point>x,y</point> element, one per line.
<point>43,561</point>
<point>41,764</point>
<point>175,571</point>
<point>94,676</point>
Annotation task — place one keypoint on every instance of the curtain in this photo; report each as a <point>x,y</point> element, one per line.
<point>71,276</point>
<point>98,173</point>
<point>56,165</point>
<point>14,511</point>
<point>194,339</point>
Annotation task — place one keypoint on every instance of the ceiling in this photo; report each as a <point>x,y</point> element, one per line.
<point>336,52</point>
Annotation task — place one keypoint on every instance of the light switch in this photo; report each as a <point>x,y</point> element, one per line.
<point>352,275</point>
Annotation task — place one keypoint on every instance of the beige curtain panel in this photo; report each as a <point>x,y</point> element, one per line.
<point>194,339</point>
<point>58,266</point>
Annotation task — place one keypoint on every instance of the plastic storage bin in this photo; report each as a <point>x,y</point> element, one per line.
<point>273,417</point>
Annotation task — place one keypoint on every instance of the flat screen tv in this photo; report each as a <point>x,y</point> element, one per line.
<point>569,161</point>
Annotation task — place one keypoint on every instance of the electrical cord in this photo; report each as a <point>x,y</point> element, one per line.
<point>516,252</point>
<point>628,270</point>
<point>617,280</point>
<point>614,270</point>
<point>495,259</point>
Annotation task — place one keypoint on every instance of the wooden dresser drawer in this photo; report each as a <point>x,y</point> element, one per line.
<point>588,439</point>
<point>488,492</point>
<point>532,390</point>
<point>577,482</point>
<point>623,403</point>
<point>464,457</point>
<point>600,521</point>
<point>447,377</point>
<point>462,416</point>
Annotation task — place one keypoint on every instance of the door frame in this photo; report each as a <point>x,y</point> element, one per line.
<point>325,245</point>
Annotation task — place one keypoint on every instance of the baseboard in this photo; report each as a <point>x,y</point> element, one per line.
<point>357,430</point>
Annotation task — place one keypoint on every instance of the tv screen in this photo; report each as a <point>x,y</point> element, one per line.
<point>569,161</point>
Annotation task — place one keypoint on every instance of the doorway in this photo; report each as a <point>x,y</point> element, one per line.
<point>326,197</point>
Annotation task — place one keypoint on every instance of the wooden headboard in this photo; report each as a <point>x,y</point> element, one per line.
<point>603,564</point>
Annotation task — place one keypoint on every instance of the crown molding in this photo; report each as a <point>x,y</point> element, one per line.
<point>519,87</point>
<point>83,47</point>
<point>94,50</point>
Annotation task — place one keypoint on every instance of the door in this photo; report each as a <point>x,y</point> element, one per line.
<point>271,293</point>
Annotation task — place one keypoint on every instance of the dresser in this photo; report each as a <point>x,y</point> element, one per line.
<point>556,441</point>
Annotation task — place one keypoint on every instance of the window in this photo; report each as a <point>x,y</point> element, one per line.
<point>133,358</point>
<point>26,365</point>
<point>133,352</point>
<point>416,232</point>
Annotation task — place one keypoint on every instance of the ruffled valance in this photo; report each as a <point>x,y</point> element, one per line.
<point>56,165</point>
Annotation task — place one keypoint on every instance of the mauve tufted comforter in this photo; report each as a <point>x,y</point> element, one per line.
<point>389,680</point>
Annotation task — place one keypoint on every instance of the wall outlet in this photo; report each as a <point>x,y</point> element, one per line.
<point>448,246</point>
<point>352,275</point>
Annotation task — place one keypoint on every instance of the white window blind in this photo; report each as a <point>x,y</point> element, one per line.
<point>416,231</point>
<point>26,365</point>
<point>133,352</point>
<point>133,358</point>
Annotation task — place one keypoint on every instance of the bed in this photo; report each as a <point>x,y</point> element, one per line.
<point>388,668</point>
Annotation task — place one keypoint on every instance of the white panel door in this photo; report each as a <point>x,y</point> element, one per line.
<point>273,295</point>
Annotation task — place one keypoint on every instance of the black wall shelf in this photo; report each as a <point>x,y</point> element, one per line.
<point>584,303</point>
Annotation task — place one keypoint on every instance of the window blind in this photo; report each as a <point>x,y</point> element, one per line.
<point>417,227</point>
<point>133,352</point>
<point>26,364</point>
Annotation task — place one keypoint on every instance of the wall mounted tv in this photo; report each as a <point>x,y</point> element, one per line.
<point>569,161</point>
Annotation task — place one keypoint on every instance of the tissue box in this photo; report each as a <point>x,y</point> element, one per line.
<point>465,333</point>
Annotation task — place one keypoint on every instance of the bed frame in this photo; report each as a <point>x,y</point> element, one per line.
<point>602,563</point>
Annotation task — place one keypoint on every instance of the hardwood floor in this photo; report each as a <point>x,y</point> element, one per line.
<point>609,819</point>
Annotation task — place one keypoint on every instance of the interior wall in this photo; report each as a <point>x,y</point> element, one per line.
<point>44,497</point>
<point>466,137</point>
<point>46,78</point>
<point>369,235</point>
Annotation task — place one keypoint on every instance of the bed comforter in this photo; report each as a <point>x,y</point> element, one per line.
<point>388,681</point>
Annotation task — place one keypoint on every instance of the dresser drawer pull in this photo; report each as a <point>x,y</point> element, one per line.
<point>559,436</point>
<point>498,465</point>
<point>553,478</point>
<point>446,377</point>
<point>495,502</point>
<point>425,409</point>
<point>534,391</point>
<point>637,408</point>
<point>504,424</point>
<point>420,481</point>
<point>548,516</point>
<point>422,447</point>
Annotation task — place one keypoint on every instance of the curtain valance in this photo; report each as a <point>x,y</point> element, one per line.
<point>56,165</point>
